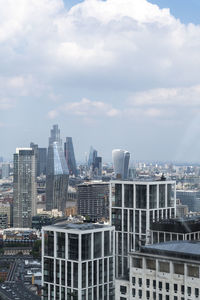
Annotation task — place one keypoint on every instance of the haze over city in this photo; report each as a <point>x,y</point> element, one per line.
<point>112,74</point>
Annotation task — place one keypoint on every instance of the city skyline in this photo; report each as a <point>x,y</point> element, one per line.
<point>93,68</point>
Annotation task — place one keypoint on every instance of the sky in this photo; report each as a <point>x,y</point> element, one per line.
<point>112,74</point>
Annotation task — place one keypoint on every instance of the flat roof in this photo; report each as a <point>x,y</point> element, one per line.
<point>78,226</point>
<point>186,248</point>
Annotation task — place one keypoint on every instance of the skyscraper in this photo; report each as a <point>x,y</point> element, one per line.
<point>5,170</point>
<point>134,207</point>
<point>57,173</point>
<point>92,156</point>
<point>24,187</point>
<point>42,161</point>
<point>78,262</point>
<point>70,156</point>
<point>121,163</point>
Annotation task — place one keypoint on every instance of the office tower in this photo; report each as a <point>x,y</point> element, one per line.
<point>163,271</point>
<point>92,156</point>
<point>78,261</point>
<point>191,198</point>
<point>42,161</point>
<point>24,187</point>
<point>55,136</point>
<point>5,170</point>
<point>35,148</point>
<point>97,166</point>
<point>93,200</point>
<point>57,173</point>
<point>134,207</point>
<point>70,157</point>
<point>121,163</point>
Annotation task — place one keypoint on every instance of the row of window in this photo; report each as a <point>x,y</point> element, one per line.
<point>164,286</point>
<point>164,266</point>
<point>141,294</point>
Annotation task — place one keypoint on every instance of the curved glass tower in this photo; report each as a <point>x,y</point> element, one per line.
<point>57,174</point>
<point>120,163</point>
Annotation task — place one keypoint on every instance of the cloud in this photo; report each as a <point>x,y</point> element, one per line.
<point>86,109</point>
<point>6,104</point>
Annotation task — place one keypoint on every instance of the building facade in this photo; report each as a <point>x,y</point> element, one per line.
<point>134,207</point>
<point>191,198</point>
<point>78,262</point>
<point>24,187</point>
<point>70,156</point>
<point>93,200</point>
<point>121,163</point>
<point>5,170</point>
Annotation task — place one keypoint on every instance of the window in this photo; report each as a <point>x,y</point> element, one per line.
<point>151,264</point>
<point>175,288</point>
<point>140,282</point>
<point>148,282</point>
<point>148,294</point>
<point>196,292</point>
<point>133,292</point>
<point>73,246</point>
<point>128,195</point>
<point>160,285</point>
<point>163,266</point>
<point>154,284</point>
<point>152,196</point>
<point>123,289</point>
<point>175,298</point>
<point>60,244</point>
<point>167,297</point>
<point>189,290</point>
<point>140,293</point>
<point>160,296</point>
<point>97,244</point>
<point>86,246</point>
<point>193,271</point>
<point>137,262</point>
<point>179,269</point>
<point>183,289</point>
<point>167,286</point>
<point>141,196</point>
<point>133,280</point>
<point>154,295</point>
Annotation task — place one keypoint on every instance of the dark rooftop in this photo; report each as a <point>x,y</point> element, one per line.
<point>178,225</point>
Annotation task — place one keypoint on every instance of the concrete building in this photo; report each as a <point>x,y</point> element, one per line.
<point>24,187</point>
<point>78,262</point>
<point>134,207</point>
<point>163,271</point>
<point>5,209</point>
<point>93,200</point>
<point>191,198</point>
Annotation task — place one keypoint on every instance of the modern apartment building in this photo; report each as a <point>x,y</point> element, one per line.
<point>24,187</point>
<point>134,207</point>
<point>93,200</point>
<point>78,262</point>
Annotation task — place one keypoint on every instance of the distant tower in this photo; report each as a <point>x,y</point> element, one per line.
<point>5,170</point>
<point>24,187</point>
<point>121,163</point>
<point>70,156</point>
<point>92,156</point>
<point>57,173</point>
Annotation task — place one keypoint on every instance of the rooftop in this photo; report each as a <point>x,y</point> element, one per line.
<point>78,226</point>
<point>181,249</point>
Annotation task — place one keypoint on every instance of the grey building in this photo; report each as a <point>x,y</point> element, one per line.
<point>5,170</point>
<point>42,161</point>
<point>121,163</point>
<point>93,200</point>
<point>70,156</point>
<point>191,198</point>
<point>92,156</point>
<point>24,187</point>
<point>134,207</point>
<point>57,173</point>
<point>78,262</point>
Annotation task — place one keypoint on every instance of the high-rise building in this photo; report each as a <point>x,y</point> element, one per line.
<point>92,156</point>
<point>35,149</point>
<point>97,166</point>
<point>5,170</point>
<point>121,163</point>
<point>70,156</point>
<point>24,187</point>
<point>93,200</point>
<point>42,161</point>
<point>134,207</point>
<point>78,262</point>
<point>57,173</point>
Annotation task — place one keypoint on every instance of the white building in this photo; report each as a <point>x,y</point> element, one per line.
<point>134,206</point>
<point>78,262</point>
<point>121,163</point>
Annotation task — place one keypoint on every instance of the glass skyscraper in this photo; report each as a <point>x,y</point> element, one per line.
<point>24,187</point>
<point>121,163</point>
<point>70,156</point>
<point>57,173</point>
